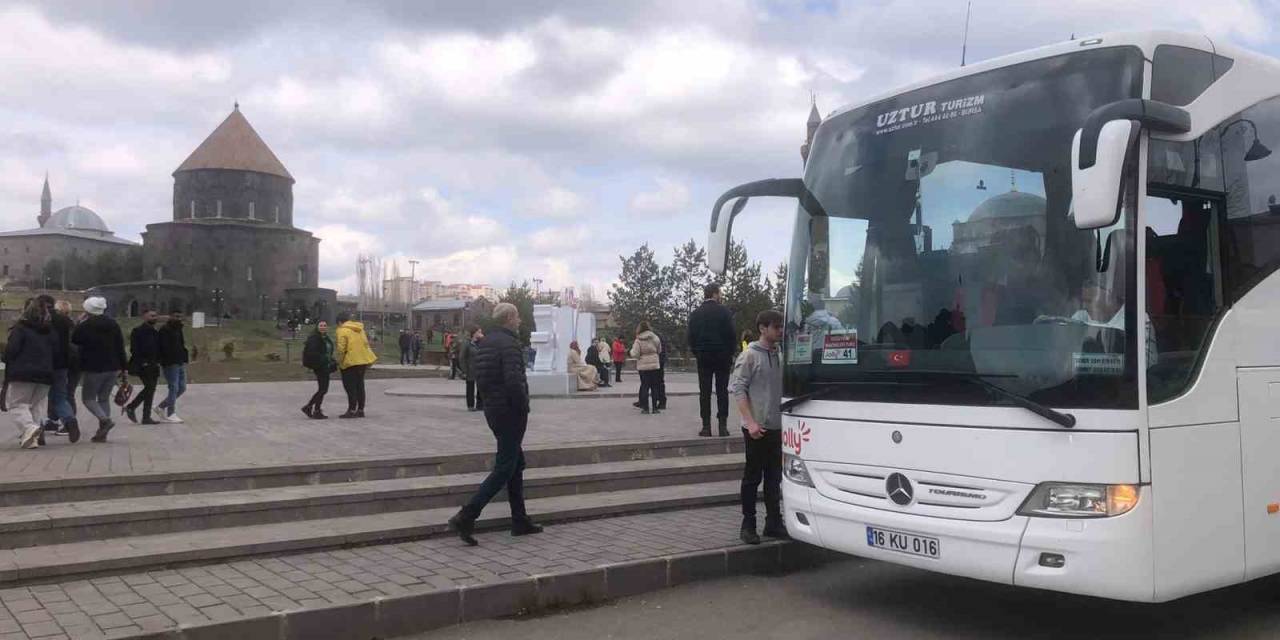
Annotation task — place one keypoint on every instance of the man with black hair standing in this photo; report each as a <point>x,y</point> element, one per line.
<point>144,362</point>
<point>757,385</point>
<point>711,338</point>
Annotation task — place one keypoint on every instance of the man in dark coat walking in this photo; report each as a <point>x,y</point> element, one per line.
<point>499,372</point>
<point>712,341</point>
<point>144,362</point>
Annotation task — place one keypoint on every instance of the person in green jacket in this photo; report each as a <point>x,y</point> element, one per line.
<point>317,356</point>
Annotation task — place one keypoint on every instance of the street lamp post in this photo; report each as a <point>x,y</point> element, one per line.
<point>217,301</point>
<point>263,299</point>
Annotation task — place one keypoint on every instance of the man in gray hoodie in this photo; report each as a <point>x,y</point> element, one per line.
<point>757,387</point>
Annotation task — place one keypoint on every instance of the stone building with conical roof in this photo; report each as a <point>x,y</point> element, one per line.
<point>231,241</point>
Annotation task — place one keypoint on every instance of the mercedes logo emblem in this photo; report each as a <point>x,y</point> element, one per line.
<point>897,437</point>
<point>899,489</point>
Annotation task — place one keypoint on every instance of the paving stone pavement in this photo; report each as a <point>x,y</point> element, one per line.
<point>157,600</point>
<point>232,425</point>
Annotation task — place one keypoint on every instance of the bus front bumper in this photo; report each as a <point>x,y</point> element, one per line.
<point>1107,557</point>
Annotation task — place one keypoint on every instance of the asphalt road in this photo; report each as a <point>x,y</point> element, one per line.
<point>866,599</point>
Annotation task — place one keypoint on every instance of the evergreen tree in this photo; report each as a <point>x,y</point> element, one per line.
<point>743,288</point>
<point>686,276</point>
<point>522,297</point>
<point>778,293</point>
<point>640,293</point>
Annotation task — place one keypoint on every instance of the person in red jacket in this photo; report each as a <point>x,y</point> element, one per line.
<point>619,357</point>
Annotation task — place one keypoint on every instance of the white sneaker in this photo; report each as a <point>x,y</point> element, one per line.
<point>173,417</point>
<point>31,437</point>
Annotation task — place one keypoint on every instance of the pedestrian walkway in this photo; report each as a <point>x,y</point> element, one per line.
<point>678,385</point>
<point>236,425</point>
<point>395,589</point>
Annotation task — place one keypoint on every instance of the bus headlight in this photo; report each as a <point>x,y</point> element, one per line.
<point>1073,500</point>
<point>794,469</point>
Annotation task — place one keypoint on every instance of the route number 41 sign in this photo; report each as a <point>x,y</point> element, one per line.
<point>840,347</point>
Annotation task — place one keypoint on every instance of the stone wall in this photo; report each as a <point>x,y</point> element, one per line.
<point>23,257</point>
<point>205,188</point>
<point>245,260</point>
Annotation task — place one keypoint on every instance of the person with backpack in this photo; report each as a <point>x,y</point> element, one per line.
<point>102,362</point>
<point>28,371</point>
<point>317,355</point>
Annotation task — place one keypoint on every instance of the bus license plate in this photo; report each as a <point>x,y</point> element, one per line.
<point>908,543</point>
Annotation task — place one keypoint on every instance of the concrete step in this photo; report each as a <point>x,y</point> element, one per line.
<point>33,525</point>
<point>81,488</point>
<point>98,557</point>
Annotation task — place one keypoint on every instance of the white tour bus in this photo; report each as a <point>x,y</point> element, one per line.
<point>1033,320</point>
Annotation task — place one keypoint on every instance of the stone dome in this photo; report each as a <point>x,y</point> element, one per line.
<point>77,218</point>
<point>1014,204</point>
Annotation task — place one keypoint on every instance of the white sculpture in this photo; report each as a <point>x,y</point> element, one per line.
<point>555,328</point>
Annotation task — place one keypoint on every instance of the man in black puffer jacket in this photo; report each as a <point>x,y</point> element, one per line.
<point>499,372</point>
<point>102,361</point>
<point>713,344</point>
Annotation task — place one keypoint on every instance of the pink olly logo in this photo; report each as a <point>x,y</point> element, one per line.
<point>794,438</point>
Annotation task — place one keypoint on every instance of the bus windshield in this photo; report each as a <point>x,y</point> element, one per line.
<point>946,249</point>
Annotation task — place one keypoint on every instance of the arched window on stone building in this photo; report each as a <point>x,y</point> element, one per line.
<point>219,211</point>
<point>249,272</point>
<point>159,272</point>
<point>193,209</point>
<point>252,215</point>
<point>302,274</point>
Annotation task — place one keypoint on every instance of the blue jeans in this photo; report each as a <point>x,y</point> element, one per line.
<point>175,375</point>
<point>61,402</point>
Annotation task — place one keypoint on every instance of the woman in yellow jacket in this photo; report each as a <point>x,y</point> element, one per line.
<point>354,357</point>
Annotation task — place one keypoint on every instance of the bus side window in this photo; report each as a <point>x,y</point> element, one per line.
<point>1253,187</point>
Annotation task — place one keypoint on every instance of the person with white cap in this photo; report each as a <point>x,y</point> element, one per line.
<point>102,362</point>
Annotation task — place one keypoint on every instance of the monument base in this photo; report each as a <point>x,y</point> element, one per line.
<point>551,383</point>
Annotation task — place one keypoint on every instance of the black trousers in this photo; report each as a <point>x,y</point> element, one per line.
<point>649,381</point>
<point>353,383</point>
<point>714,367</point>
<point>617,371</point>
<point>508,466</point>
<point>764,460</point>
<point>453,368</point>
<point>660,387</point>
<point>322,387</point>
<point>474,401</point>
<point>602,370</point>
<point>404,355</point>
<point>150,375</point>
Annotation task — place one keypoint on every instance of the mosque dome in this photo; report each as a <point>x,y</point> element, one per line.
<point>1014,204</point>
<point>77,218</point>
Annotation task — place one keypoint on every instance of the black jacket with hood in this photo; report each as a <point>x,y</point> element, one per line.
<point>29,353</point>
<point>498,370</point>
<point>101,344</point>
<point>711,330</point>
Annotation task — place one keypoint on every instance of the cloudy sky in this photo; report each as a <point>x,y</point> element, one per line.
<point>491,140</point>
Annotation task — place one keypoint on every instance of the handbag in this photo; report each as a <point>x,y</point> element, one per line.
<point>123,392</point>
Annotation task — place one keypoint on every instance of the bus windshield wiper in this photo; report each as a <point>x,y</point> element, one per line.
<point>1065,420</point>
<point>827,389</point>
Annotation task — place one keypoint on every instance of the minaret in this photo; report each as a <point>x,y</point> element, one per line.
<point>46,202</point>
<point>815,119</point>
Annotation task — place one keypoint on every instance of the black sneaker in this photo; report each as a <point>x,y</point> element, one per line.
<point>132,412</point>
<point>73,431</point>
<point>349,414</point>
<point>307,411</point>
<point>103,427</point>
<point>724,431</point>
<point>360,414</point>
<point>318,415</point>
<point>525,527</point>
<point>464,527</point>
<point>749,535</point>
<point>706,431</point>
<point>644,411</point>
<point>149,421</point>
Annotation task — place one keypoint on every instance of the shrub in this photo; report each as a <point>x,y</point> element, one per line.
<point>229,349</point>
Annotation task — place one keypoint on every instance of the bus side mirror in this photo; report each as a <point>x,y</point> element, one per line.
<point>1100,148</point>
<point>1096,190</point>
<point>729,205</point>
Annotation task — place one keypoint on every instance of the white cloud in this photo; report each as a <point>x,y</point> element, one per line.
<point>553,202</point>
<point>459,66</point>
<point>669,196</point>
<point>560,240</point>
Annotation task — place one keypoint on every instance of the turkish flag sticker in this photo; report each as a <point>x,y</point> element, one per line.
<point>899,358</point>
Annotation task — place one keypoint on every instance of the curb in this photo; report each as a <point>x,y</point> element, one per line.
<point>392,616</point>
